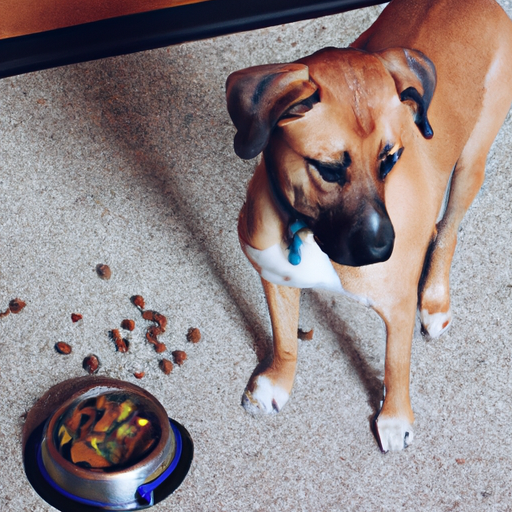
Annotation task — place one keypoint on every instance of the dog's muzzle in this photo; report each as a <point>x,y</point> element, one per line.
<point>368,239</point>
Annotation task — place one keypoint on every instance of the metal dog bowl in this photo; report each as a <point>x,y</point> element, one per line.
<point>108,446</point>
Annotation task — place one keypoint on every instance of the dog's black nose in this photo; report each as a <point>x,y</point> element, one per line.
<point>363,238</point>
<point>373,240</point>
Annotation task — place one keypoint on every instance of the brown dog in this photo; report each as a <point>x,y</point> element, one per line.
<point>352,180</point>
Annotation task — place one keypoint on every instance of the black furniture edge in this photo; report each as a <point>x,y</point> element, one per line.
<point>155,29</point>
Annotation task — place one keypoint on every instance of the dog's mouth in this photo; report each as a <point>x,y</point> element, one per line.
<point>369,239</point>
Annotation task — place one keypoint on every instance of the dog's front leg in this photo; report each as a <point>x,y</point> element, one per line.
<point>394,423</point>
<point>270,386</point>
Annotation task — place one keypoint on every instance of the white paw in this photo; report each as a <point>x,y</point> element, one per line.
<point>266,397</point>
<point>435,324</point>
<point>394,433</point>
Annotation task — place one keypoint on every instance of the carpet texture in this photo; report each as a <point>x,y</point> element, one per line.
<point>128,161</point>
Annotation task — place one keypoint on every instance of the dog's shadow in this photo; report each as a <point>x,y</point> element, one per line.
<point>360,334</point>
<point>174,140</point>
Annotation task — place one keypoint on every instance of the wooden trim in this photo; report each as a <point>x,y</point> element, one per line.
<point>155,29</point>
<point>24,17</point>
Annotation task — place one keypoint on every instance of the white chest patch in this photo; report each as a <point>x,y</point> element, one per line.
<point>315,270</point>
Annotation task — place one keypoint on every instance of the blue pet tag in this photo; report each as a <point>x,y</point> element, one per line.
<point>294,256</point>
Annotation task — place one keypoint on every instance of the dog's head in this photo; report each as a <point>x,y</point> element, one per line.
<point>331,127</point>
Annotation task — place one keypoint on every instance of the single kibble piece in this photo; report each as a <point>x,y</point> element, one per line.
<point>122,346</point>
<point>166,366</point>
<point>160,347</point>
<point>76,317</point>
<point>104,271</point>
<point>153,316</point>
<point>161,320</point>
<point>194,335</point>
<point>118,340</point>
<point>139,375</point>
<point>179,357</point>
<point>305,335</point>
<point>152,333</point>
<point>138,300</point>
<point>149,315</point>
<point>63,348</point>
<point>91,364</point>
<point>129,325</point>
<point>16,305</point>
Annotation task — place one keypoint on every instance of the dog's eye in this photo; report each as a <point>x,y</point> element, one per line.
<point>388,163</point>
<point>335,172</point>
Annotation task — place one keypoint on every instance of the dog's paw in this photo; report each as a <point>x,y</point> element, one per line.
<point>265,397</point>
<point>435,324</point>
<point>393,434</point>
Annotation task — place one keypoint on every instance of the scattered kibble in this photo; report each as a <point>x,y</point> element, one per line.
<point>63,348</point>
<point>305,335</point>
<point>16,305</point>
<point>121,344</point>
<point>91,364</point>
<point>129,325</point>
<point>103,271</point>
<point>166,366</point>
<point>138,300</point>
<point>194,335</point>
<point>179,357</point>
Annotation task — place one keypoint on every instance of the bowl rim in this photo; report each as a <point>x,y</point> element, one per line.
<point>104,388</point>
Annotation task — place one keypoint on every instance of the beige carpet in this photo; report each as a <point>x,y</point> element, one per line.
<point>128,161</point>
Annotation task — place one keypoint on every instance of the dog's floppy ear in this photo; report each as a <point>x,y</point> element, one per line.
<point>415,78</point>
<point>259,96</point>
